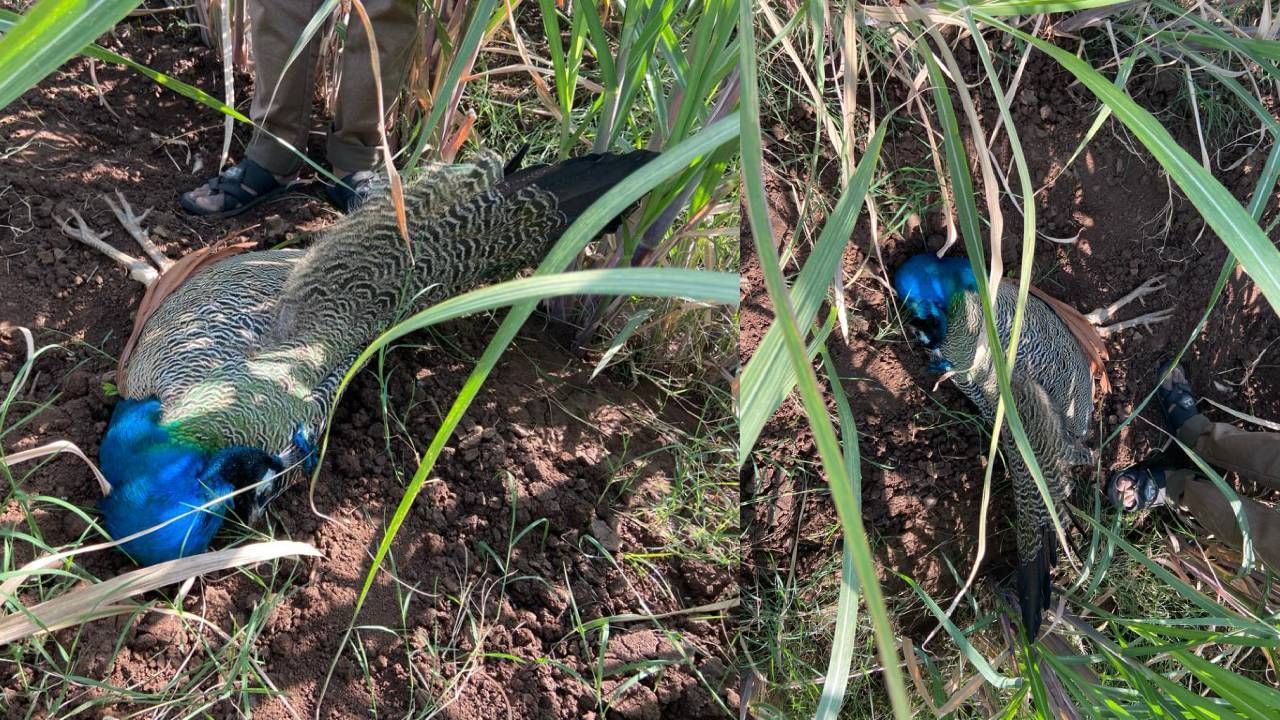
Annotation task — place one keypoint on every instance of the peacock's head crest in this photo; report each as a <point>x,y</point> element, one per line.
<point>926,287</point>
<point>155,477</point>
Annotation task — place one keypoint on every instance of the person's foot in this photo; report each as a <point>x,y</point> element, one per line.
<point>235,190</point>
<point>354,191</point>
<point>1139,487</point>
<point>1177,399</point>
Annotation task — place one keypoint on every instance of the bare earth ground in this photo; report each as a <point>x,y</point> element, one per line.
<point>563,446</point>
<point>922,469</point>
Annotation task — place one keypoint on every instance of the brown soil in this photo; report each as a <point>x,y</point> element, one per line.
<point>538,431</point>
<point>922,468</point>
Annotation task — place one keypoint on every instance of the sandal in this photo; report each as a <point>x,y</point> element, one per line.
<point>352,191</point>
<point>1146,479</point>
<point>1177,399</point>
<point>241,187</point>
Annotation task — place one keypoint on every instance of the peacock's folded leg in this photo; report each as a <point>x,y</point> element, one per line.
<point>1146,321</point>
<point>1101,315</point>
<point>133,223</point>
<point>138,269</point>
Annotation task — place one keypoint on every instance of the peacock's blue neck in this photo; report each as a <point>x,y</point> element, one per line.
<point>156,477</point>
<point>957,276</point>
<point>136,441</point>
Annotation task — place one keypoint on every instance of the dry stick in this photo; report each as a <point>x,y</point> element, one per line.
<point>1253,366</point>
<point>991,193</point>
<point>1195,113</point>
<point>849,95</point>
<point>228,82</point>
<point>1268,424</point>
<point>539,85</point>
<point>446,118</point>
<point>818,106</point>
<point>1013,88</point>
<point>873,214</point>
<point>966,691</point>
<point>102,98</point>
<point>906,14</point>
<point>534,71</point>
<point>240,36</point>
<point>397,189</point>
<point>916,94</point>
<point>451,148</point>
<point>71,608</point>
<point>1003,176</point>
<point>913,669</point>
<point>848,111</point>
<point>998,126</point>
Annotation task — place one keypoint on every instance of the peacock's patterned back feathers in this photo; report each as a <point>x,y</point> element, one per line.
<point>361,275</point>
<point>195,352</point>
<point>247,350</point>
<point>1048,355</point>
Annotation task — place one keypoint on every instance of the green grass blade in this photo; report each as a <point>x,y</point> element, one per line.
<point>1248,553</point>
<point>970,230</point>
<point>1242,236</point>
<point>1028,7</point>
<point>465,51</point>
<point>971,653</point>
<point>48,35</point>
<point>575,238</point>
<point>620,339</point>
<point>698,285</point>
<point>824,435</point>
<point>768,378</point>
<point>1247,696</point>
<point>1256,628</point>
<point>843,643</point>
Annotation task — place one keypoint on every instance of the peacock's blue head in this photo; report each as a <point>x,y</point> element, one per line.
<point>155,476</point>
<point>926,287</point>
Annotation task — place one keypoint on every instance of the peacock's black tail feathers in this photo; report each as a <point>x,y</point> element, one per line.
<point>1033,574</point>
<point>578,182</point>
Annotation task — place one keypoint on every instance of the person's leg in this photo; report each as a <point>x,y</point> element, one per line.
<point>1212,510</point>
<point>1255,455</point>
<point>281,106</point>
<point>354,137</point>
<point>282,98</point>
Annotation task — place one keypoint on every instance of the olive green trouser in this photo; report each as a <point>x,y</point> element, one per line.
<point>1255,456</point>
<point>282,104</point>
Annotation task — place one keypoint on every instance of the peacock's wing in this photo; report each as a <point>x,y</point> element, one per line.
<point>192,353</point>
<point>1052,356</point>
<point>164,286</point>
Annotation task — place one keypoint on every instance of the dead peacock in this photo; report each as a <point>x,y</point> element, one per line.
<point>235,356</point>
<point>1052,387</point>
